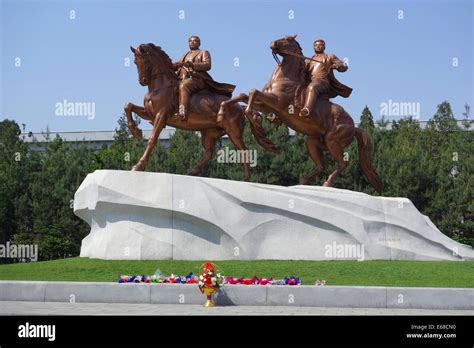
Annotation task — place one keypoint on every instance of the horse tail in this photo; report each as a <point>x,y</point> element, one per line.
<point>365,159</point>
<point>259,133</point>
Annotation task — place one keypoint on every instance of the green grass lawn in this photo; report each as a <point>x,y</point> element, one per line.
<point>377,273</point>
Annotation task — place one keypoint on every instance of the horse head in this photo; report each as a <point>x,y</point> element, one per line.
<point>151,61</point>
<point>285,46</point>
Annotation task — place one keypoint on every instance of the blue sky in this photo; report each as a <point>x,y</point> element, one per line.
<point>83,59</point>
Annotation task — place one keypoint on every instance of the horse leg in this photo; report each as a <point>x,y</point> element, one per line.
<point>140,111</point>
<point>264,99</point>
<point>336,150</point>
<point>160,123</point>
<point>208,140</point>
<point>234,127</point>
<point>226,104</point>
<point>241,97</point>
<point>314,146</point>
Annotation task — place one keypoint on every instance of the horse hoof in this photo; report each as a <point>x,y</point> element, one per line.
<point>194,172</point>
<point>137,134</point>
<point>138,167</point>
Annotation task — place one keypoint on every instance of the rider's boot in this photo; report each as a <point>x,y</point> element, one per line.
<point>310,100</point>
<point>183,108</point>
<point>184,116</point>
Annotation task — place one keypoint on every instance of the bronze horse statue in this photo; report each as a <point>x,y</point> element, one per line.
<point>328,128</point>
<point>160,108</point>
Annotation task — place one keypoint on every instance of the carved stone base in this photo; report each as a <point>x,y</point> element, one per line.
<point>142,215</point>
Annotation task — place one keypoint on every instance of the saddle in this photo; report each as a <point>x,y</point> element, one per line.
<point>206,101</point>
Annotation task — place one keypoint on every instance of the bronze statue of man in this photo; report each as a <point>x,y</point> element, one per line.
<point>323,82</point>
<point>192,72</point>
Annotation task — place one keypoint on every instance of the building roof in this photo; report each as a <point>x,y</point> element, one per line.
<point>108,136</point>
<point>86,136</point>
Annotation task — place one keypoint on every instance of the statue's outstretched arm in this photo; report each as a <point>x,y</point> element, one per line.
<point>339,65</point>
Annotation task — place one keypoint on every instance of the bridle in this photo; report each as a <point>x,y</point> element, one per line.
<point>275,56</point>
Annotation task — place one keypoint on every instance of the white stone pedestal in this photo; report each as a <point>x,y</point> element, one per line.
<point>142,215</point>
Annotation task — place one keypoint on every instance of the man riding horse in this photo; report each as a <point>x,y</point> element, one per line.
<point>323,82</point>
<point>193,77</point>
<point>328,127</point>
<point>156,71</point>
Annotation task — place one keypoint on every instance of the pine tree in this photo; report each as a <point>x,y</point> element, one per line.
<point>124,152</point>
<point>366,120</point>
<point>184,153</point>
<point>13,155</point>
<point>444,118</point>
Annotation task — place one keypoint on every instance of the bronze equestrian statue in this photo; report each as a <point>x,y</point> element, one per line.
<point>157,72</point>
<point>192,73</point>
<point>328,127</point>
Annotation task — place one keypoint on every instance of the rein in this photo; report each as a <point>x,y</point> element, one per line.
<point>275,56</point>
<point>298,56</point>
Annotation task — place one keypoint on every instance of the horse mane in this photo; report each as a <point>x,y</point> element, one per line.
<point>157,57</point>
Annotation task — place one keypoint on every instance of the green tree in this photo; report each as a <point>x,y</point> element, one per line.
<point>124,152</point>
<point>366,120</point>
<point>13,153</point>
<point>444,118</point>
<point>184,153</point>
<point>450,154</point>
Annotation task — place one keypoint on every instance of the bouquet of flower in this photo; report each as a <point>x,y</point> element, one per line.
<point>292,281</point>
<point>252,281</point>
<point>159,278</point>
<point>209,282</point>
<point>133,279</point>
<point>173,279</point>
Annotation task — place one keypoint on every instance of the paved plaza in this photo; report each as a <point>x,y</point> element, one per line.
<point>61,308</point>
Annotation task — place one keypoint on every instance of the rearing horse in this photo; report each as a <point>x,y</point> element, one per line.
<point>161,103</point>
<point>328,128</point>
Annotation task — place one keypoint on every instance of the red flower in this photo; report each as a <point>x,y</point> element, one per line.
<point>208,266</point>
